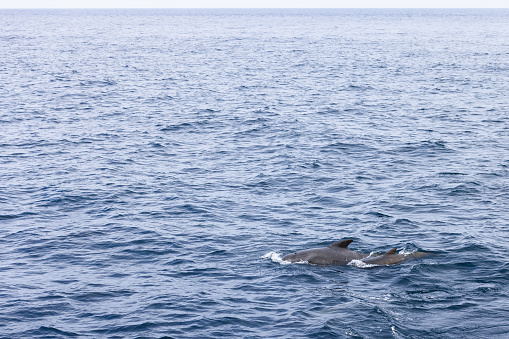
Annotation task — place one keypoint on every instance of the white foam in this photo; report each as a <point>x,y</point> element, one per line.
<point>275,257</point>
<point>372,254</point>
<point>361,264</point>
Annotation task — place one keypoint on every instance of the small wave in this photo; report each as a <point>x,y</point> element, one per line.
<point>409,249</point>
<point>378,214</point>
<point>176,127</point>
<point>443,174</point>
<point>43,330</point>
<point>14,216</point>
<point>425,148</point>
<point>99,83</point>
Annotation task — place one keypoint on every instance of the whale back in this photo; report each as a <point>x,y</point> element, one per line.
<point>335,254</point>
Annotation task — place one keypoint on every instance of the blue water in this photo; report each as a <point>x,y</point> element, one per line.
<point>155,165</point>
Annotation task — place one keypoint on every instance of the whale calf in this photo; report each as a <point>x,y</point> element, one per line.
<point>339,254</point>
<point>393,258</point>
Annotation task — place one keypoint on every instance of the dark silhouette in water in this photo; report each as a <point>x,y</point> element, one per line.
<point>339,254</point>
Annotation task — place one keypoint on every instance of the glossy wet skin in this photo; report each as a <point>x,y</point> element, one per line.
<point>393,258</point>
<point>335,254</point>
<point>339,254</point>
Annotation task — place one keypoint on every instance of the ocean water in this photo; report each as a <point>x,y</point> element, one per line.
<point>155,165</point>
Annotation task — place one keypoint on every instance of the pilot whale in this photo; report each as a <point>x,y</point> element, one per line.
<point>393,258</point>
<point>335,254</point>
<point>339,254</point>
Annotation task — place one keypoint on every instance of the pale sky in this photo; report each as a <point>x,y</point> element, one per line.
<point>254,4</point>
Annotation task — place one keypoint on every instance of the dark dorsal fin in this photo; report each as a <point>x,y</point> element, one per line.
<point>393,251</point>
<point>342,243</point>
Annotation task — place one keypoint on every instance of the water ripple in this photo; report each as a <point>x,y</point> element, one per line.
<point>149,159</point>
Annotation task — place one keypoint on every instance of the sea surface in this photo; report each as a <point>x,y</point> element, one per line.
<point>156,165</point>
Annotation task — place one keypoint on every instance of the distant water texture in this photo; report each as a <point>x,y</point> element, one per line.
<point>156,165</point>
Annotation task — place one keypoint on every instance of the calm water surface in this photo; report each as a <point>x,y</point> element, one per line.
<point>155,166</point>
